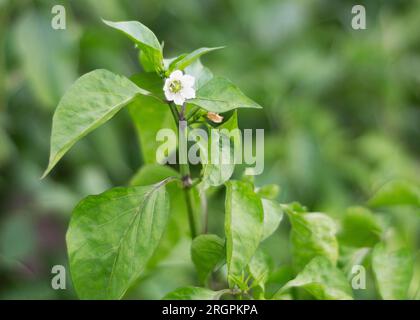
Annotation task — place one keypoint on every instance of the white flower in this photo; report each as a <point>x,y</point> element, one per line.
<point>179,87</point>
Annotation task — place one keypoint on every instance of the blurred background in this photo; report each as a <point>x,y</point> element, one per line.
<point>341,114</point>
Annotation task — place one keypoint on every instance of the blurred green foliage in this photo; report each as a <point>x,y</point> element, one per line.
<point>341,114</point>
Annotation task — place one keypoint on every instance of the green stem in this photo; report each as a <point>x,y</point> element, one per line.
<point>184,169</point>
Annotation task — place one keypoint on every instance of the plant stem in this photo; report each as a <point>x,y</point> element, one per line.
<point>184,167</point>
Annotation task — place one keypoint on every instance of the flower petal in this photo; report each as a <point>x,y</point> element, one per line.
<point>179,99</point>
<point>188,93</point>
<point>176,75</point>
<point>188,80</point>
<point>170,96</point>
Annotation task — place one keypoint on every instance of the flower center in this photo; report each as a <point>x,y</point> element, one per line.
<point>175,86</point>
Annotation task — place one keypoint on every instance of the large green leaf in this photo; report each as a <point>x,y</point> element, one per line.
<point>207,252</point>
<point>397,193</point>
<point>194,293</point>
<point>91,101</point>
<point>151,115</point>
<point>360,228</point>
<point>187,59</point>
<point>313,234</point>
<point>244,221</point>
<point>393,271</point>
<point>177,226</point>
<point>112,236</point>
<point>219,170</point>
<point>273,214</point>
<point>220,95</point>
<point>144,38</point>
<point>322,280</point>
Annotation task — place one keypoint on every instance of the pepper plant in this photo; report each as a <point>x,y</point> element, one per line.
<point>115,236</point>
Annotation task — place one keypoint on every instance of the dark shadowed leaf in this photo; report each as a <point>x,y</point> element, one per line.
<point>207,253</point>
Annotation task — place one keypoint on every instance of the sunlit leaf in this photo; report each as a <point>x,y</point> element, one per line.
<point>194,293</point>
<point>393,271</point>
<point>322,280</point>
<point>144,38</point>
<point>273,214</point>
<point>220,95</point>
<point>91,101</point>
<point>187,59</point>
<point>112,236</point>
<point>244,223</point>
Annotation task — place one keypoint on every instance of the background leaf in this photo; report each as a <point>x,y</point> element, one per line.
<point>360,228</point>
<point>397,193</point>
<point>393,272</point>
<point>113,235</point>
<point>313,234</point>
<point>48,57</point>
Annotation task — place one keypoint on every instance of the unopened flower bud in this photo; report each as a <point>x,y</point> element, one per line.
<point>214,117</point>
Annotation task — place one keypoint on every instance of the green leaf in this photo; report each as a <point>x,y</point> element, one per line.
<point>194,293</point>
<point>244,220</point>
<point>322,280</point>
<point>360,228</point>
<point>269,191</point>
<point>220,95</point>
<point>91,101</point>
<point>177,226</point>
<point>313,234</point>
<point>207,253</point>
<point>112,236</point>
<point>396,193</point>
<point>201,73</point>
<point>273,214</point>
<point>185,60</point>
<point>219,170</point>
<point>259,269</point>
<point>144,38</point>
<point>150,115</point>
<point>393,272</point>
